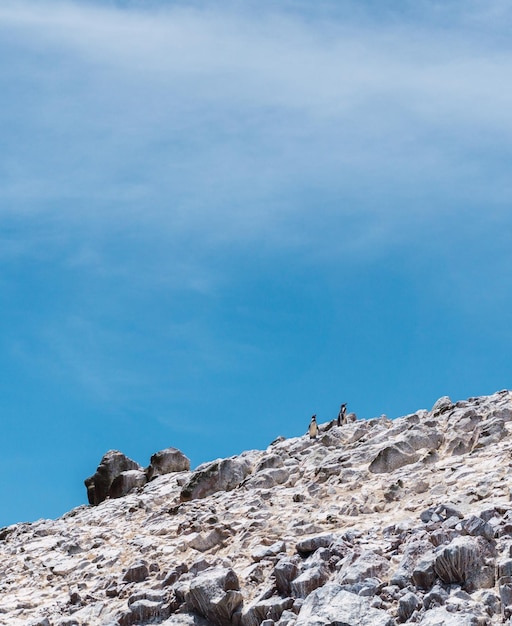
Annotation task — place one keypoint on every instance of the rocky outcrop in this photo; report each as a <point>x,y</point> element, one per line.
<point>166,462</point>
<point>379,521</point>
<point>111,466</point>
<point>215,594</point>
<point>222,475</point>
<point>333,605</point>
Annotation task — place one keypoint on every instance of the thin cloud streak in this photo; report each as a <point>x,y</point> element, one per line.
<point>217,122</point>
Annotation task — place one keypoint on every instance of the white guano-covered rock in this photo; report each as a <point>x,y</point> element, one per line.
<point>332,605</point>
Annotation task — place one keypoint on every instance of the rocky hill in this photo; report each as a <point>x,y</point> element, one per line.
<point>373,523</point>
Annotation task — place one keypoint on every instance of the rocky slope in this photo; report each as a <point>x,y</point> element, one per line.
<point>374,523</point>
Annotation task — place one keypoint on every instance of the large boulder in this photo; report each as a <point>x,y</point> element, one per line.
<point>126,481</point>
<point>310,579</point>
<point>267,609</point>
<point>463,561</point>
<point>111,466</point>
<point>215,594</point>
<point>167,461</point>
<point>393,457</point>
<point>221,475</point>
<point>333,605</point>
<point>368,565</point>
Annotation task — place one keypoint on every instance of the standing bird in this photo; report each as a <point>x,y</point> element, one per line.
<point>313,428</point>
<point>342,415</point>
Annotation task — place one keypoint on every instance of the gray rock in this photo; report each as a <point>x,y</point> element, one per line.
<point>222,475</point>
<point>288,618</point>
<point>268,609</point>
<point>266,552</point>
<point>270,461</point>
<point>442,405</point>
<point>460,561</point>
<point>407,604</point>
<point>307,546</point>
<point>266,479</point>
<point>308,581</point>
<point>284,572</point>
<point>475,526</point>
<point>126,481</point>
<point>167,461</point>
<point>417,557</point>
<point>368,565</point>
<point>111,465</point>
<point>424,574</point>
<point>215,595</point>
<point>435,597</point>
<point>462,444</point>
<point>149,611</point>
<point>441,617</point>
<point>331,605</point>
<point>136,573</point>
<point>393,457</point>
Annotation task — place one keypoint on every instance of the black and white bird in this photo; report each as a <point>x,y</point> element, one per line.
<point>313,428</point>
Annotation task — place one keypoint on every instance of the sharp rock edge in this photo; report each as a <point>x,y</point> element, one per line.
<point>375,522</point>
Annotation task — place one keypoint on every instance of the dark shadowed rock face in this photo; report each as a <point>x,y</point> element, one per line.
<point>111,466</point>
<point>167,461</point>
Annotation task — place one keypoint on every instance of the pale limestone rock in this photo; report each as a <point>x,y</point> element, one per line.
<point>393,457</point>
<point>325,516</point>
<point>215,595</point>
<point>309,580</point>
<point>332,605</point>
<point>368,565</point>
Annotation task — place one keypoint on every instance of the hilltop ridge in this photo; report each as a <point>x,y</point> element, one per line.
<point>377,522</point>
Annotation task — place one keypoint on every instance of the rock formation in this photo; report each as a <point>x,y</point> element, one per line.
<point>375,523</point>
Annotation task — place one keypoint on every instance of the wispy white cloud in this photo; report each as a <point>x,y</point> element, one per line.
<point>242,125</point>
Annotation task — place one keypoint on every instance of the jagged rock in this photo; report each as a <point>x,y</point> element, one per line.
<point>205,541</point>
<point>126,481</point>
<point>149,611</point>
<point>266,552</point>
<point>222,475</point>
<point>136,573</point>
<point>476,526</point>
<point>417,557</point>
<point>332,605</point>
<point>166,462</point>
<point>310,579</point>
<point>393,457</point>
<point>307,546</point>
<point>423,573</point>
<point>285,571</point>
<point>263,610</point>
<point>270,461</point>
<point>441,617</point>
<point>266,479</point>
<point>407,604</point>
<point>282,539</point>
<point>368,565</point>
<point>442,405</point>
<point>110,467</point>
<point>437,596</point>
<point>461,560</point>
<point>215,594</point>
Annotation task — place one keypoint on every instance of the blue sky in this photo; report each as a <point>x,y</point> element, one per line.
<point>219,218</point>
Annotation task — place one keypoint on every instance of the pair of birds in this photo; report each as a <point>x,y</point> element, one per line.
<point>341,419</point>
